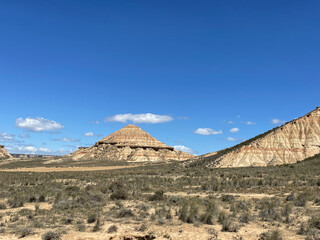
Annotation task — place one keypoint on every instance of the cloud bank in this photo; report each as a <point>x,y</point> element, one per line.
<point>139,118</point>
<point>207,131</point>
<point>65,139</point>
<point>277,121</point>
<point>5,137</point>
<point>184,149</point>
<point>234,130</point>
<point>38,124</point>
<point>91,134</point>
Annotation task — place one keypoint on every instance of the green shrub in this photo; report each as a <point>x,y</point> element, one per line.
<point>24,231</point>
<point>125,212</point>
<point>317,201</point>
<point>268,210</point>
<point>119,194</point>
<point>245,217</point>
<point>50,235</point>
<point>227,198</point>
<point>291,197</point>
<point>314,222</point>
<point>229,225</point>
<point>301,200</point>
<point>42,198</point>
<point>112,229</point>
<point>15,202</point>
<point>80,227</point>
<point>157,196</point>
<point>97,226</point>
<point>271,235</point>
<point>222,216</point>
<point>92,217</point>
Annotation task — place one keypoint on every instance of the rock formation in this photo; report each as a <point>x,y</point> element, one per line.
<point>130,143</point>
<point>3,153</point>
<point>289,143</point>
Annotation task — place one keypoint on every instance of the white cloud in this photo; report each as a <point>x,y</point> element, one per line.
<point>89,134</point>
<point>29,149</point>
<point>6,137</point>
<point>230,122</point>
<point>250,123</point>
<point>184,149</point>
<point>38,124</point>
<point>277,121</point>
<point>231,139</point>
<point>234,130</point>
<point>139,118</point>
<point>45,150</point>
<point>65,139</point>
<point>207,131</point>
<point>95,122</point>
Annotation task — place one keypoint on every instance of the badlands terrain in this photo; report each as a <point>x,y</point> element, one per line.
<point>129,186</point>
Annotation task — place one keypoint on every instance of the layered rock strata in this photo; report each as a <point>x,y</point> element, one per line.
<point>3,153</point>
<point>289,143</point>
<point>130,143</point>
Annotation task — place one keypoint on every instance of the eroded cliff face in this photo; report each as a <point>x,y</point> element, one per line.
<point>115,153</point>
<point>290,143</point>
<point>3,153</point>
<point>132,144</point>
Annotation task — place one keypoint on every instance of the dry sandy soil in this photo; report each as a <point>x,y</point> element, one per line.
<point>127,230</point>
<point>67,169</point>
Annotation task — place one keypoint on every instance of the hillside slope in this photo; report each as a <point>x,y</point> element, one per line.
<point>3,153</point>
<point>289,143</point>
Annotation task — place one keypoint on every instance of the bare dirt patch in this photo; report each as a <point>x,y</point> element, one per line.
<point>67,169</point>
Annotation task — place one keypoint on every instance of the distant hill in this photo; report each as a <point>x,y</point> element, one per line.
<point>18,155</point>
<point>289,143</point>
<point>130,144</point>
<point>3,153</point>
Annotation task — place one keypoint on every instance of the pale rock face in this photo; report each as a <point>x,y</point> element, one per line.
<point>130,144</point>
<point>290,143</point>
<point>3,153</point>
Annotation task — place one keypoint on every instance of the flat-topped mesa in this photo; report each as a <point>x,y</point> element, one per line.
<point>289,143</point>
<point>3,153</point>
<point>130,143</point>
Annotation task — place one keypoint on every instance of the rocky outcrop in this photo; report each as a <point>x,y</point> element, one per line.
<point>130,143</point>
<point>290,143</point>
<point>3,153</point>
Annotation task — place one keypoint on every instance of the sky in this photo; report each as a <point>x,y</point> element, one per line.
<point>197,75</point>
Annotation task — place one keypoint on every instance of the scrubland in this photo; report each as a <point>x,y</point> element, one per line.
<point>163,201</point>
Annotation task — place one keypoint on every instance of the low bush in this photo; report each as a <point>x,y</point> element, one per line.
<point>24,231</point>
<point>291,197</point>
<point>245,217</point>
<point>271,235</point>
<point>97,226</point>
<point>301,200</point>
<point>157,196</point>
<point>92,217</point>
<point>112,229</point>
<point>15,203</point>
<point>125,212</point>
<point>228,225</point>
<point>50,235</point>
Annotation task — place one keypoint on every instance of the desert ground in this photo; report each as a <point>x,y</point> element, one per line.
<point>160,201</point>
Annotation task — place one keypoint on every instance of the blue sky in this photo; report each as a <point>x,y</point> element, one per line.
<point>198,67</point>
